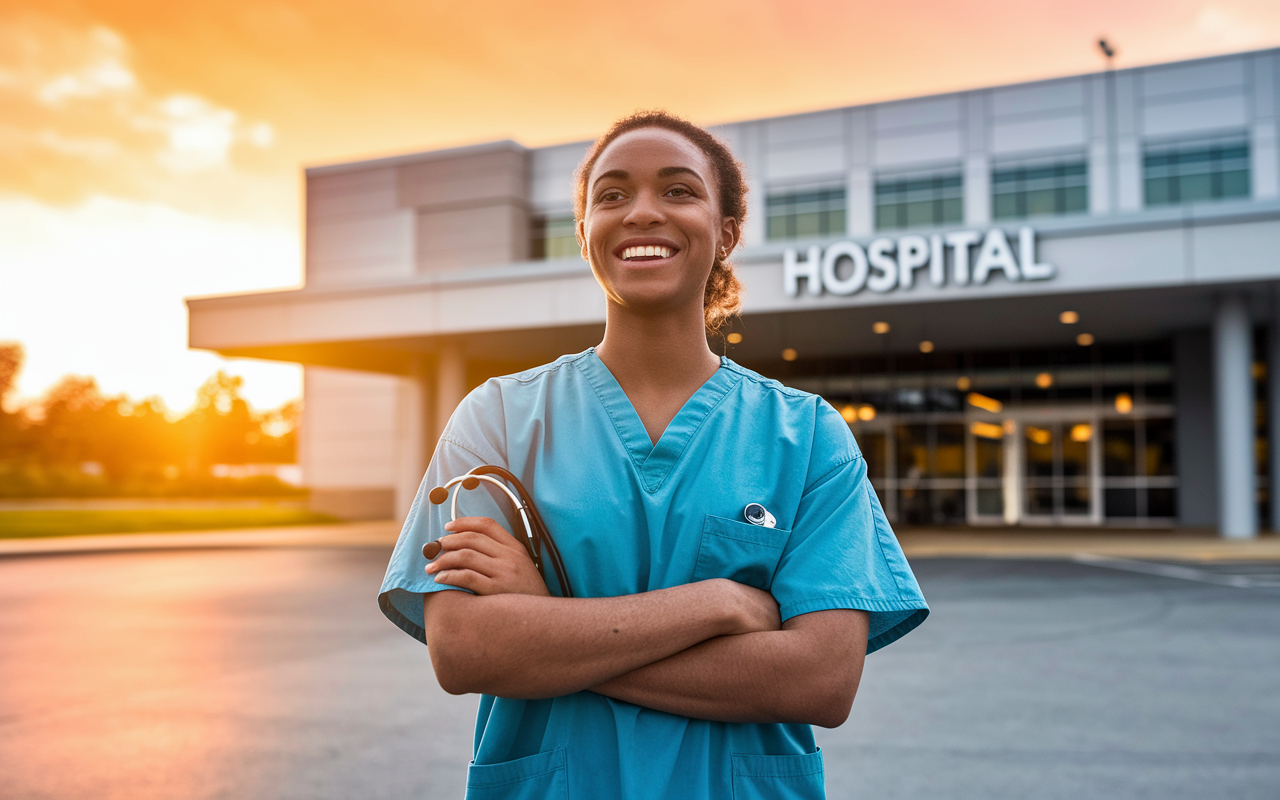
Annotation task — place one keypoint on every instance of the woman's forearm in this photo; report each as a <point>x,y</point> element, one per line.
<point>522,646</point>
<point>808,672</point>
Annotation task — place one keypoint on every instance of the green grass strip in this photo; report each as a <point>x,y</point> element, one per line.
<point>77,522</point>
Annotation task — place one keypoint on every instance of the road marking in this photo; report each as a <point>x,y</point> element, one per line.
<point>1176,571</point>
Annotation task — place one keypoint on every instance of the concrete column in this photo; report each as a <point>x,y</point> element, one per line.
<point>1233,408</point>
<point>752,152</point>
<point>1012,474</point>
<point>1264,145</point>
<point>451,383</point>
<point>1273,408</point>
<point>860,203</point>
<point>413,449</point>
<point>1102,188</point>
<point>1127,143</point>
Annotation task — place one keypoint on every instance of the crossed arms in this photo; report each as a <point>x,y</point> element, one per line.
<point>711,650</point>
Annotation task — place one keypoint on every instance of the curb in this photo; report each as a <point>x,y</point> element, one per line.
<point>1049,545</point>
<point>381,533</point>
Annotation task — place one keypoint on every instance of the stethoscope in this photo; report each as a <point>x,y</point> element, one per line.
<point>758,515</point>
<point>537,537</point>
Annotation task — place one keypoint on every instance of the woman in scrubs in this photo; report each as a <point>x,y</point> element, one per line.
<point>699,648</point>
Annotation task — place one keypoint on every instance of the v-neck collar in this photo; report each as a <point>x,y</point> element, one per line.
<point>654,462</point>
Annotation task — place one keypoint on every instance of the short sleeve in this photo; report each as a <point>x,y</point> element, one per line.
<point>842,552</point>
<point>467,443</point>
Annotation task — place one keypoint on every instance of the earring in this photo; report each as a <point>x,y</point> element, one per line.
<point>724,253</point>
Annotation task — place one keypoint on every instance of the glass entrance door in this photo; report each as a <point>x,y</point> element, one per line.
<point>1037,471</point>
<point>1059,482</point>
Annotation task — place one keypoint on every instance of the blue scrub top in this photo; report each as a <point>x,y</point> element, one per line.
<point>629,516</point>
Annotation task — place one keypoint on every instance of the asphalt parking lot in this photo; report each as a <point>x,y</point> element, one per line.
<point>270,673</point>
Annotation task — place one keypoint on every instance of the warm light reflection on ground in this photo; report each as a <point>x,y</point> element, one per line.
<point>200,674</point>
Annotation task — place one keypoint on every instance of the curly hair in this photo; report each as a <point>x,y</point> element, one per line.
<point>723,294</point>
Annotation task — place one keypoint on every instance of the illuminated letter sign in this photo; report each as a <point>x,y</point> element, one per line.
<point>844,268</point>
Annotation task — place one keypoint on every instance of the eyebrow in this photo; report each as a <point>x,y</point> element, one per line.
<point>665,172</point>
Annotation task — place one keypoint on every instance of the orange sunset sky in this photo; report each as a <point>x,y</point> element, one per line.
<point>151,151</point>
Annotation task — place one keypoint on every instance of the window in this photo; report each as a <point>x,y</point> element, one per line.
<point>798,215</point>
<point>1193,171</point>
<point>921,201</point>
<point>1039,190</point>
<point>554,237</point>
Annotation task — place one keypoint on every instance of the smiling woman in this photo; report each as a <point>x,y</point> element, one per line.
<point>731,565</point>
<point>721,298</point>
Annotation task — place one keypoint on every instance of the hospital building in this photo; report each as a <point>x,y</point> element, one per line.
<point>1048,304</point>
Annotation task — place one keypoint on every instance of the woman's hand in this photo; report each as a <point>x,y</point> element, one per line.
<point>754,610</point>
<point>479,555</point>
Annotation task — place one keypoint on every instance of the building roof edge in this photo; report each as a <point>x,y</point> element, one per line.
<point>413,158</point>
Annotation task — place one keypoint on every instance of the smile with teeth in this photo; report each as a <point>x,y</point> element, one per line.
<point>647,251</point>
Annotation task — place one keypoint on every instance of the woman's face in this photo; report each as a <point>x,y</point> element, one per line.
<point>653,225</point>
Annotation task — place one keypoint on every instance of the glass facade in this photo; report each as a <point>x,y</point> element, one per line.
<point>554,237</point>
<point>1081,436</point>
<point>919,201</point>
<point>798,215</point>
<point>1024,191</point>
<point>1193,171</point>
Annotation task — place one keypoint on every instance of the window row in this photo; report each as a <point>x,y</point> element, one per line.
<point>1172,174</point>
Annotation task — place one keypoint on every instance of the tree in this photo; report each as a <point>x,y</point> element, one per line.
<point>76,440</point>
<point>11,357</point>
<point>221,429</point>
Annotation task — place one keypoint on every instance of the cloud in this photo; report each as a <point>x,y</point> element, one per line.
<point>83,147</point>
<point>1229,27</point>
<point>200,134</point>
<point>104,71</point>
<point>79,120</point>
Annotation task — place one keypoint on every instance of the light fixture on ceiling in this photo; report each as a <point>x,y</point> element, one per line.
<point>1082,432</point>
<point>1040,436</point>
<point>986,430</point>
<point>985,403</point>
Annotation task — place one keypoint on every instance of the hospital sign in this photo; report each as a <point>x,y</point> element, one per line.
<point>845,267</point>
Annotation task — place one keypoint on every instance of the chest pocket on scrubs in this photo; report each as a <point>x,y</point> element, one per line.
<point>739,551</point>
